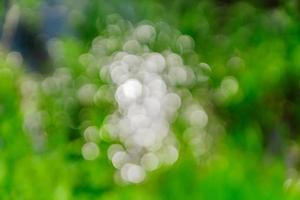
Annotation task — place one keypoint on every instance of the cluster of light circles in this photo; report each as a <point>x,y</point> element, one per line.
<point>146,73</point>
<point>32,116</point>
<point>146,108</point>
<point>144,89</point>
<point>36,114</point>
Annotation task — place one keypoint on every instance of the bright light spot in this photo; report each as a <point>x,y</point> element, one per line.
<point>136,109</point>
<point>197,117</point>
<point>90,151</point>
<point>157,88</point>
<point>177,75</point>
<point>133,173</point>
<point>132,89</point>
<point>170,155</point>
<point>150,162</point>
<point>172,101</point>
<point>119,159</point>
<point>113,149</point>
<point>174,59</point>
<point>119,73</point>
<point>133,63</point>
<point>155,63</point>
<point>139,121</point>
<point>91,134</point>
<point>145,33</point>
<point>132,46</point>
<point>161,127</point>
<point>152,106</point>
<point>144,137</point>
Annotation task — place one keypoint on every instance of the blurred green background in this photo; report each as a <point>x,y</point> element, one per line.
<point>255,153</point>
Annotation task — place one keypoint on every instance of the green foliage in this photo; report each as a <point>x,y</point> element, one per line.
<point>254,54</point>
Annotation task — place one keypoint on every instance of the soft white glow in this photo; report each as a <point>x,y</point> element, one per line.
<point>91,134</point>
<point>133,173</point>
<point>132,89</point>
<point>113,149</point>
<point>144,137</point>
<point>145,88</point>
<point>90,151</point>
<point>145,33</point>
<point>119,159</point>
<point>150,161</point>
<point>170,155</point>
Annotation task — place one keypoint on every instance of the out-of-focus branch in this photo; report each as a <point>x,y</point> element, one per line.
<point>10,23</point>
